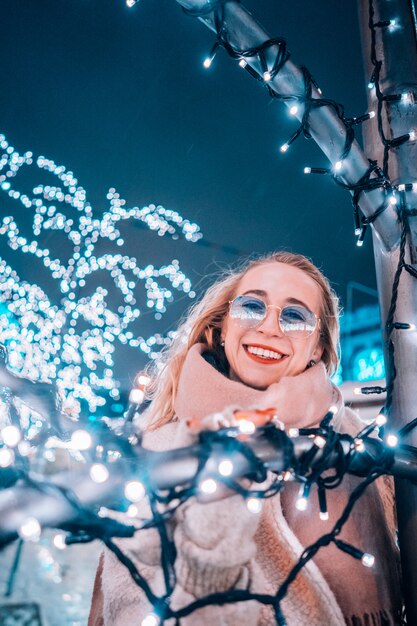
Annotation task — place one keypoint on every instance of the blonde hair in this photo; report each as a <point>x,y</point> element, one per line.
<point>204,322</point>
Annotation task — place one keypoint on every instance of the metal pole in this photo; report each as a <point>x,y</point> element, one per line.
<point>396,48</point>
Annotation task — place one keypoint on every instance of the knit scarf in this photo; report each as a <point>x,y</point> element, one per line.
<point>366,596</point>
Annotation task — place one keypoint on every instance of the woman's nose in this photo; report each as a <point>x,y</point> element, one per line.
<point>270,324</point>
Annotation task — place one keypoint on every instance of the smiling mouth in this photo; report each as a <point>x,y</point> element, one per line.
<point>263,355</point>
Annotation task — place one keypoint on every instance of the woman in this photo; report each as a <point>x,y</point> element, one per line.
<point>266,336</point>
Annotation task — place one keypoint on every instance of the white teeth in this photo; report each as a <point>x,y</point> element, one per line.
<point>266,354</point>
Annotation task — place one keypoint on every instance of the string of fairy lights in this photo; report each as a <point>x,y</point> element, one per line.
<point>48,342</point>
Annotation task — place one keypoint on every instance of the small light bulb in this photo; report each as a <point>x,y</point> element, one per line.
<point>359,243</point>
<point>324,516</point>
<point>30,529</point>
<point>333,409</point>
<point>401,187</point>
<point>243,63</point>
<point>131,3</point>
<point>254,505</point>
<point>301,503</point>
<point>393,200</point>
<point>150,620</point>
<point>412,327</point>
<point>319,91</point>
<point>293,432</point>
<point>414,186</point>
<point>267,76</point>
<point>136,396</point>
<point>371,85</point>
<point>225,467</point>
<point>81,440</point>
<point>143,380</point>
<point>99,473</point>
<point>406,97</point>
<point>393,22</point>
<point>59,541</point>
<point>371,114</point>
<point>338,166</point>
<point>208,486</point>
<point>287,476</point>
<point>6,457</point>
<point>380,419</point>
<point>294,110</point>
<point>246,427</point>
<point>319,441</point>
<point>357,391</point>
<point>134,490</point>
<point>284,147</point>
<point>368,560</point>
<point>132,511</point>
<point>392,440</point>
<point>413,134</point>
<point>11,435</point>
<point>207,62</point>
<point>307,170</point>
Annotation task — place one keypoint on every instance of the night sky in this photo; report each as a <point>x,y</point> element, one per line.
<point>121,98</point>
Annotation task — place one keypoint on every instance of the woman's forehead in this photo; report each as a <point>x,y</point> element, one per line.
<point>280,282</point>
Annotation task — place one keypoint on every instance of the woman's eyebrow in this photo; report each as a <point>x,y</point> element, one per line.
<point>259,292</point>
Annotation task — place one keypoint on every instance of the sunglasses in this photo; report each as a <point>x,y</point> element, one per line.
<point>294,320</point>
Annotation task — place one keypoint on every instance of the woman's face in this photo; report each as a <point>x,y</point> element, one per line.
<point>276,284</point>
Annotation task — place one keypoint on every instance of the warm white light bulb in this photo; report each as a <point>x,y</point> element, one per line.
<point>371,114</point>
<point>401,187</point>
<point>207,62</point>
<point>136,396</point>
<point>267,76</point>
<point>368,559</point>
<point>293,432</point>
<point>59,541</point>
<point>81,440</point>
<point>6,457</point>
<point>11,435</point>
<point>357,391</point>
<point>393,22</point>
<point>99,473</point>
<point>371,85</point>
<point>359,243</point>
<point>338,166</point>
<point>208,486</point>
<point>246,427</point>
<point>307,170</point>
<point>134,490</point>
<point>150,620</point>
<point>324,516</point>
<point>301,503</point>
<point>143,380</point>
<point>392,440</point>
<point>406,97</point>
<point>131,3</point>
<point>132,511</point>
<point>294,110</point>
<point>243,63</point>
<point>333,409</point>
<point>393,200</point>
<point>380,420</point>
<point>254,505</point>
<point>30,529</point>
<point>284,147</point>
<point>225,467</point>
<point>413,134</point>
